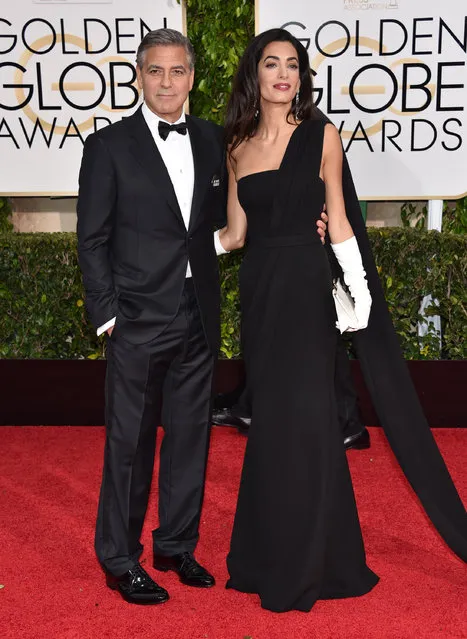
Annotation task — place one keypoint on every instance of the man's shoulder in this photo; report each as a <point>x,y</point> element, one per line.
<point>113,135</point>
<point>114,130</point>
<point>208,127</point>
<point>206,123</point>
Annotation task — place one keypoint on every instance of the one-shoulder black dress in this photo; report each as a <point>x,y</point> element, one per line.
<point>296,534</point>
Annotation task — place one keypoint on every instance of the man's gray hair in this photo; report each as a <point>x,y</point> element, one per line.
<point>165,38</point>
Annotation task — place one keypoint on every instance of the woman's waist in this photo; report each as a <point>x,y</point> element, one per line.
<point>262,241</point>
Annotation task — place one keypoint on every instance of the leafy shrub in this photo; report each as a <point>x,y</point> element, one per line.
<point>5,216</point>
<point>219,32</point>
<point>42,309</point>
<point>454,216</point>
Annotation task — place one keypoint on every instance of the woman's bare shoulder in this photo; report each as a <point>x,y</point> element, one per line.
<point>238,152</point>
<point>332,140</point>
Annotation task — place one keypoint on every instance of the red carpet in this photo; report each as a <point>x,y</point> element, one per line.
<point>52,585</point>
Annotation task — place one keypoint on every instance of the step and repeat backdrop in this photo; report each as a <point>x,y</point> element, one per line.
<point>66,69</point>
<point>391,75</point>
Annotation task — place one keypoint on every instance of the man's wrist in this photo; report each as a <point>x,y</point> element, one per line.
<point>220,250</point>
<point>105,327</point>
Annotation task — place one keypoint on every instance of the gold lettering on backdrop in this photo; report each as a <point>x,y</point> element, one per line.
<point>47,41</point>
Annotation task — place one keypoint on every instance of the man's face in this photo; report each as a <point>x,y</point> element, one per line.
<point>166,80</point>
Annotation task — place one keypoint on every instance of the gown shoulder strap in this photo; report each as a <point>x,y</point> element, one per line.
<point>311,139</point>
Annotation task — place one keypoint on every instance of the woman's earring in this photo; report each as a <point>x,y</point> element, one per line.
<point>297,100</point>
<point>256,107</point>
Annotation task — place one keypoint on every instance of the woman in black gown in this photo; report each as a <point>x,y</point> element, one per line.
<point>296,535</point>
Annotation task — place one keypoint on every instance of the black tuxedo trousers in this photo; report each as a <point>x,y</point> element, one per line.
<point>167,381</point>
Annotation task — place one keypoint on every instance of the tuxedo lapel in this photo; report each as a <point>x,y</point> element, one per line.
<point>145,151</point>
<point>200,149</point>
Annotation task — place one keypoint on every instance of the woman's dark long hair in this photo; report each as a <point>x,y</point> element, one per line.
<point>241,120</point>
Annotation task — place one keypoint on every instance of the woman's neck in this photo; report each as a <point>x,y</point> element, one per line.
<point>273,121</point>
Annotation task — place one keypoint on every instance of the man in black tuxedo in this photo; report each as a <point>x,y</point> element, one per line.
<point>150,189</point>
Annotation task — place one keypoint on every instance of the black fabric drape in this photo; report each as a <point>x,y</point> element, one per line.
<point>396,401</point>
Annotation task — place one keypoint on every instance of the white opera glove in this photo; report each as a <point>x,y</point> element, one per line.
<point>350,260</point>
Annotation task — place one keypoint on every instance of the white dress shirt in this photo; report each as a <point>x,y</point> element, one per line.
<point>177,156</point>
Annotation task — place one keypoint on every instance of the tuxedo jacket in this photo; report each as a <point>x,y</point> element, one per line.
<point>133,245</point>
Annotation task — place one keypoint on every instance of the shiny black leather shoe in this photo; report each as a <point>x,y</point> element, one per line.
<point>137,587</point>
<point>187,568</point>
<point>225,417</point>
<point>358,441</point>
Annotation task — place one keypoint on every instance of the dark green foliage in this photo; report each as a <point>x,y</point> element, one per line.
<point>41,299</point>
<point>230,306</point>
<point>219,32</point>
<point>454,216</point>
<point>412,264</point>
<point>42,312</point>
<point>5,216</point>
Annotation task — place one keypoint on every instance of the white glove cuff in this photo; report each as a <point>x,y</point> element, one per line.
<point>348,255</point>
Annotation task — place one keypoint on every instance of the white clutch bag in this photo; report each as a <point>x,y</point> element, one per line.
<point>345,308</point>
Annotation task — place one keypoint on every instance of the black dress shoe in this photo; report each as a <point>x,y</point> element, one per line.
<point>225,417</point>
<point>137,587</point>
<point>359,440</point>
<point>187,568</point>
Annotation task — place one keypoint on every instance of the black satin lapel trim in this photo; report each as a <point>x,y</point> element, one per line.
<point>199,147</point>
<point>147,154</point>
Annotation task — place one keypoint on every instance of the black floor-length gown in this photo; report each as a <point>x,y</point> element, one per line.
<point>296,535</point>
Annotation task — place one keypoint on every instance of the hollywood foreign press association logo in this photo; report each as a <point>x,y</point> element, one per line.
<point>367,5</point>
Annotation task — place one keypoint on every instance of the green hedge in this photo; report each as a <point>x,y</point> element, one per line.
<point>6,225</point>
<point>42,309</point>
<point>412,264</point>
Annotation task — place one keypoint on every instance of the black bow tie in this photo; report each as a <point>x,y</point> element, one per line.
<point>165,128</point>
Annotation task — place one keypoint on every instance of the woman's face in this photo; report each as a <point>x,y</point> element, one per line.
<point>278,73</point>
